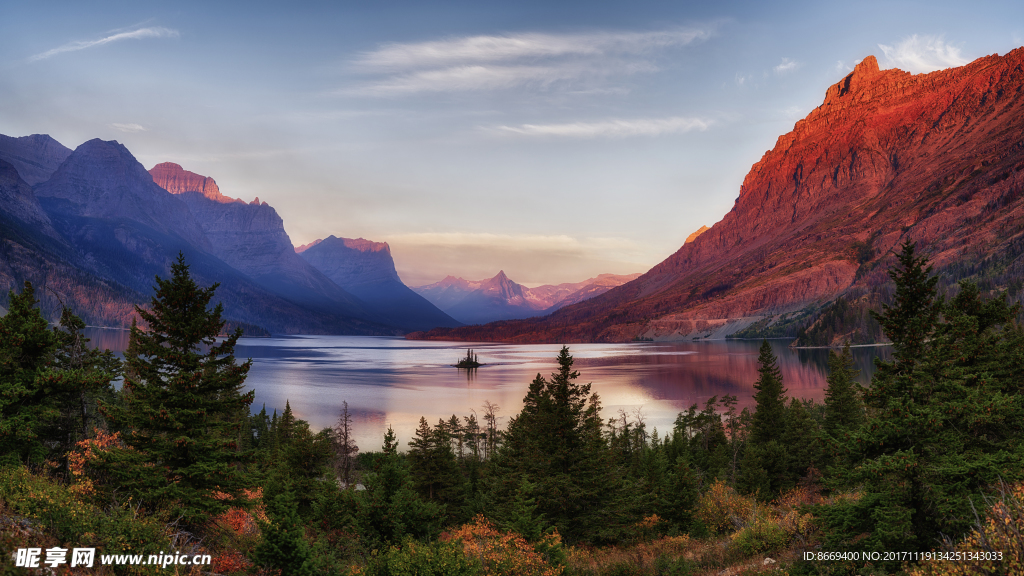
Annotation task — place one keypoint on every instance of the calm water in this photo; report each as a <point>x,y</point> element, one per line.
<point>395,381</point>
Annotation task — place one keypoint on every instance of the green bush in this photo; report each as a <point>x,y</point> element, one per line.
<point>763,534</point>
<point>418,559</point>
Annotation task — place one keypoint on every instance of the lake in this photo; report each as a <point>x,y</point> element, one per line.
<point>393,381</point>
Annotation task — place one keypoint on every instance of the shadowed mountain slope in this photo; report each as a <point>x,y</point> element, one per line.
<point>367,270</point>
<point>935,158</point>
<point>35,157</point>
<point>251,239</point>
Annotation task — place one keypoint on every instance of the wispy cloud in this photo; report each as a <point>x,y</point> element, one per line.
<point>786,66</point>
<point>611,128</point>
<point>508,61</point>
<point>150,32</point>
<point>129,127</point>
<point>923,54</point>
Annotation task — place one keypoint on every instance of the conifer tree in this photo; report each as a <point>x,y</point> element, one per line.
<point>770,415</point>
<point>26,348</point>
<point>945,417</point>
<point>555,443</point>
<point>182,394</point>
<point>766,462</point>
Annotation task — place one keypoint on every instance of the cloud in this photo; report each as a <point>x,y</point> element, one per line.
<point>508,61</point>
<point>152,32</point>
<point>612,128</point>
<point>925,53</point>
<point>129,127</point>
<point>786,66</point>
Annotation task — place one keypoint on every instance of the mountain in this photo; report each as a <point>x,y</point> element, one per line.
<point>102,180</point>
<point>115,229</point>
<point>499,298</point>
<point>937,159</point>
<point>250,237</point>
<point>367,270</point>
<point>35,157</point>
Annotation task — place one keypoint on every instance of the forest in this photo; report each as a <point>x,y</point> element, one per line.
<point>163,453</point>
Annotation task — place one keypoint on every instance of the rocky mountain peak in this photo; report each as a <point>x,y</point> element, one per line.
<point>693,236</point>
<point>176,180</point>
<point>102,179</point>
<point>35,157</point>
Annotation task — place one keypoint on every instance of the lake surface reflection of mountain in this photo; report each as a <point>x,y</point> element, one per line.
<point>396,381</point>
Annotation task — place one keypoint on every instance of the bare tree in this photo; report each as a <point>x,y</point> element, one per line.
<point>345,448</point>
<point>491,417</point>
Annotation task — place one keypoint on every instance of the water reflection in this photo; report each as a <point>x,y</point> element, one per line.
<point>395,381</point>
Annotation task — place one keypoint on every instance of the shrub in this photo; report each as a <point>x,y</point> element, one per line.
<point>999,535</point>
<point>62,513</point>
<point>761,535</point>
<point>508,553</point>
<point>418,559</point>
<point>721,509</point>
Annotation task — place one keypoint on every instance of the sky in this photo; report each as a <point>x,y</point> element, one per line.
<point>552,140</point>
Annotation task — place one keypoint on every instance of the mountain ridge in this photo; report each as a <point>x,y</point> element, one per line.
<point>888,156</point>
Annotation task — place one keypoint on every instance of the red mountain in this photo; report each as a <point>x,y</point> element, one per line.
<point>935,158</point>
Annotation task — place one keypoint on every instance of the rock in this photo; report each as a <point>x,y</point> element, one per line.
<point>176,180</point>
<point>693,236</point>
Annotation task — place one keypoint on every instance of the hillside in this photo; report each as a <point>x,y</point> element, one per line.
<point>935,158</point>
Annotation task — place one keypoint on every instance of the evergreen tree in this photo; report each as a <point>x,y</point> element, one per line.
<point>765,469</point>
<point>283,545</point>
<point>844,410</point>
<point>27,346</point>
<point>181,398</point>
<point>945,418</point>
<point>770,414</point>
<point>555,443</point>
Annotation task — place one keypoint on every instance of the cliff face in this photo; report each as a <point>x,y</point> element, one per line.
<point>934,158</point>
<point>176,180</point>
<point>35,157</point>
<point>251,239</point>
<point>367,270</point>
<point>102,179</point>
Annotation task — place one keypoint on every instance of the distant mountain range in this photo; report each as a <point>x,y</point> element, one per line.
<point>499,298</point>
<point>936,159</point>
<point>92,227</point>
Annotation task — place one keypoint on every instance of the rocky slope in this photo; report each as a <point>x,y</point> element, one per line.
<point>251,239</point>
<point>113,229</point>
<point>102,179</point>
<point>935,158</point>
<point>367,270</point>
<point>35,157</point>
<point>499,298</point>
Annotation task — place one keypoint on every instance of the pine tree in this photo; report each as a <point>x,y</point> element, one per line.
<point>283,546</point>
<point>770,415</point>
<point>27,346</point>
<point>945,418</point>
<point>182,394</point>
<point>555,443</point>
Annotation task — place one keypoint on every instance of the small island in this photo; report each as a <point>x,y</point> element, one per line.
<point>470,361</point>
